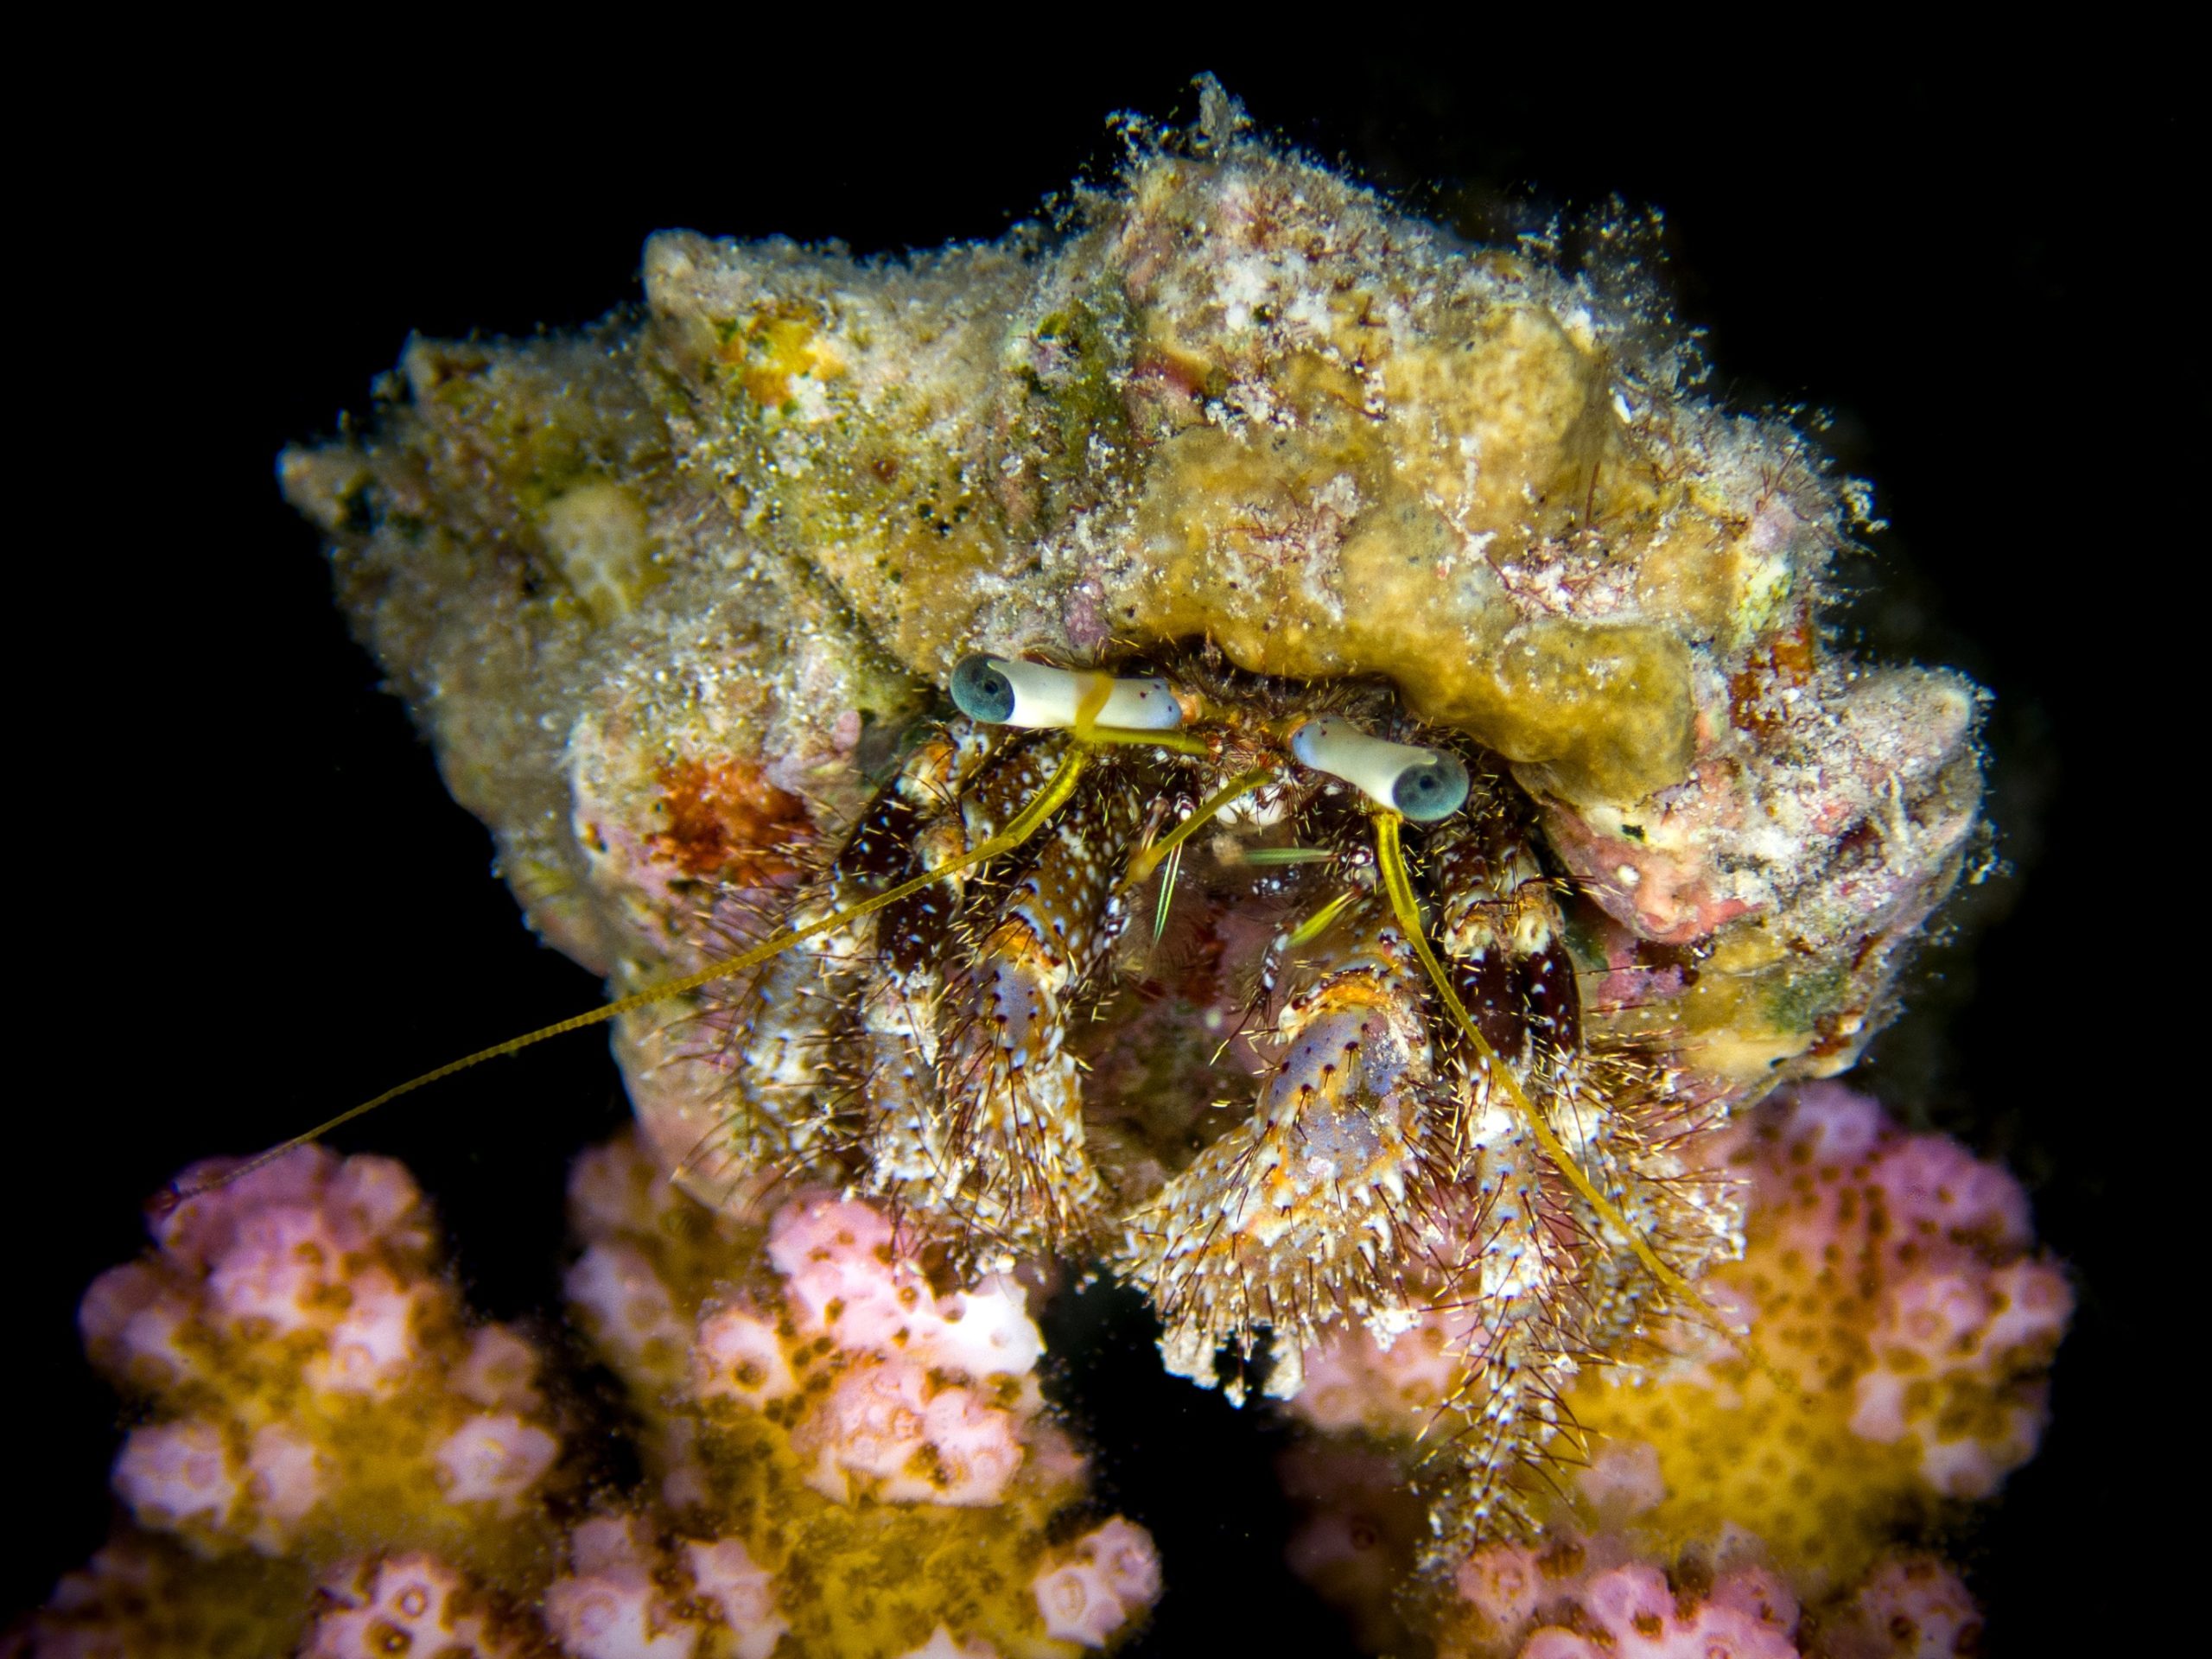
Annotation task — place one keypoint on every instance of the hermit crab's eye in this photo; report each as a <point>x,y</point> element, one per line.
<point>1423,784</point>
<point>981,692</point>
<point>1434,790</point>
<point>1002,691</point>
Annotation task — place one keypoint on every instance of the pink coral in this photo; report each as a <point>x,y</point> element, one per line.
<point>1630,1612</point>
<point>1592,1598</point>
<point>896,1422</point>
<point>889,1427</point>
<point>834,1407</point>
<point>1565,1602</point>
<point>300,1344</point>
<point>739,1356</point>
<point>629,1308</point>
<point>626,1598</point>
<point>1906,1323</point>
<point>175,1473</point>
<point>1891,1282</point>
<point>927,1397</point>
<point>1912,1608</point>
<point>649,1255</point>
<point>943,1645</point>
<point>408,1604</point>
<point>1111,1576</point>
<point>846,1274</point>
<point>494,1457</point>
<point>1957,1318</point>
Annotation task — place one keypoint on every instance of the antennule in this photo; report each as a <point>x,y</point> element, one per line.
<point>1004,691</point>
<point>1422,784</point>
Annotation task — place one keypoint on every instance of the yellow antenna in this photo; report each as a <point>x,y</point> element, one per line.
<point>1046,802</point>
<point>1397,880</point>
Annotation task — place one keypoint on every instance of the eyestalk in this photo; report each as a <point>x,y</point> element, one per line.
<point>1003,692</point>
<point>1422,784</point>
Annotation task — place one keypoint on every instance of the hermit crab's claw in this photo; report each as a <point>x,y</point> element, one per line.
<point>1422,784</point>
<point>1004,691</point>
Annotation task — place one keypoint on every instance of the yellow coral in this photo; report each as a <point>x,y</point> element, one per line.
<point>873,1579</point>
<point>1778,1463</point>
<point>735,1416</point>
<point>317,1390</point>
<point>145,1597</point>
<point>1907,1330</point>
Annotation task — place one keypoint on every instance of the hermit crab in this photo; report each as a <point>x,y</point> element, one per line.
<point>1257,988</point>
<point>1232,737</point>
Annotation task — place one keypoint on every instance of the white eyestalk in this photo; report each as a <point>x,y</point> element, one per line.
<point>1423,784</point>
<point>1002,691</point>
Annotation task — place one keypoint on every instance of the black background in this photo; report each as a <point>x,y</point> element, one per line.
<point>251,903</point>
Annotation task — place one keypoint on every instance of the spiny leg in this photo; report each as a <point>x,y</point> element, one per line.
<point>1538,1279</point>
<point>1557,1154</point>
<point>1611,1294</point>
<point>1503,933</point>
<point>1499,923</point>
<point>787,1022</point>
<point>899,1037</point>
<point>1492,1077</point>
<point>1005,1148</point>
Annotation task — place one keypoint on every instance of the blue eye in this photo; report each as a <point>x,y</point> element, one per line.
<point>1435,789</point>
<point>981,692</point>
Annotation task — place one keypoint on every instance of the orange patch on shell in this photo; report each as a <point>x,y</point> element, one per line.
<point>1755,701</point>
<point>727,822</point>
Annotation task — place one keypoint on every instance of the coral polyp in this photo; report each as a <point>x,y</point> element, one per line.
<point>1228,741</point>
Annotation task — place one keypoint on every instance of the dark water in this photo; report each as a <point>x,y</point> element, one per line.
<point>281,912</point>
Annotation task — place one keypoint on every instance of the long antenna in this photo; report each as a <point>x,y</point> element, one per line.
<point>1046,802</point>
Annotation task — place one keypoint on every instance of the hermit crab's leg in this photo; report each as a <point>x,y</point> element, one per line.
<point>780,1024</point>
<point>1009,1145</point>
<point>1494,1079</point>
<point>898,1034</point>
<point>1299,1216</point>
<point>1395,776</point>
<point>1499,923</point>
<point>1048,800</point>
<point>1403,781</point>
<point>785,1022</point>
